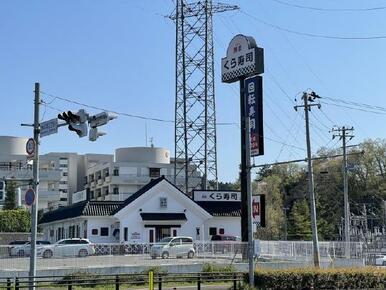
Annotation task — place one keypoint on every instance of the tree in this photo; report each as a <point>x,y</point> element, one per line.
<point>270,186</point>
<point>299,227</point>
<point>15,220</point>
<point>10,197</point>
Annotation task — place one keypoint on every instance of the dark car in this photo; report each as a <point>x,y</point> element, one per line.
<point>226,244</point>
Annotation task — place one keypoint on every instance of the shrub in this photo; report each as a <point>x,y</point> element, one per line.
<point>83,279</point>
<point>343,278</point>
<point>215,268</point>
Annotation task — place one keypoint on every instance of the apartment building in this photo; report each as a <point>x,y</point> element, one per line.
<point>133,168</point>
<point>72,168</point>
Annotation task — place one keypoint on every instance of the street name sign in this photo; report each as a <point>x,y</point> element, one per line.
<point>49,127</point>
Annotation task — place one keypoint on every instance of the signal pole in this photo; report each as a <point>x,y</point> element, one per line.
<point>35,184</point>
<point>343,134</point>
<point>310,97</point>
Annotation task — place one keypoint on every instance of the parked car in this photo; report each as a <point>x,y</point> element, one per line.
<point>67,248</point>
<point>380,260</point>
<point>173,247</point>
<point>226,243</point>
<point>13,244</point>
<point>22,250</point>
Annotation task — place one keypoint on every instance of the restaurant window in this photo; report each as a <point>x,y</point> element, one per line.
<point>104,232</point>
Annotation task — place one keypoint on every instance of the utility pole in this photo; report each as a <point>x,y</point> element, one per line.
<point>343,133</point>
<point>35,184</point>
<point>310,97</point>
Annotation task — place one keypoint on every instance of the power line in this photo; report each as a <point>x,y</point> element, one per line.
<point>104,109</point>
<point>363,105</point>
<point>325,36</point>
<point>47,104</point>
<point>329,9</point>
<point>353,108</point>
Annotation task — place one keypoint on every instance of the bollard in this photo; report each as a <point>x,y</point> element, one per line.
<point>159,282</point>
<point>69,285</point>
<point>17,283</point>
<point>9,284</point>
<point>199,282</point>
<point>116,282</point>
<point>151,280</point>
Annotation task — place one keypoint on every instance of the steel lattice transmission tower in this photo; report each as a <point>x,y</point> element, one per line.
<point>195,110</point>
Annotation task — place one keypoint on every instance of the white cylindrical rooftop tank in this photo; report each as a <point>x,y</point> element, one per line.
<point>12,148</point>
<point>142,154</point>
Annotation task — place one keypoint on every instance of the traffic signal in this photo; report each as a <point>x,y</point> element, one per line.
<point>96,121</point>
<point>100,119</point>
<point>77,122</point>
<point>94,134</point>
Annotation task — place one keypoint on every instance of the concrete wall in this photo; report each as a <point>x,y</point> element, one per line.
<point>6,238</point>
<point>12,148</point>
<point>143,155</point>
<point>231,226</point>
<point>98,223</point>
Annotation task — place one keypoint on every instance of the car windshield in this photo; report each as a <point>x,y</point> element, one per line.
<point>165,241</point>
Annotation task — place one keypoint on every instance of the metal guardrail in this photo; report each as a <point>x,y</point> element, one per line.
<point>151,280</point>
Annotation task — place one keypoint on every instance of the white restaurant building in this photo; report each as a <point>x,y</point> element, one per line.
<point>157,210</point>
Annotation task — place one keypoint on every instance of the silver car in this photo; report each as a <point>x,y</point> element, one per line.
<point>67,248</point>
<point>25,249</point>
<point>173,247</point>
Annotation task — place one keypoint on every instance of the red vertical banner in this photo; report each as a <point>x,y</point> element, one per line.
<point>254,110</point>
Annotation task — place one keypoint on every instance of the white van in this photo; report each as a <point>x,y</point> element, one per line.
<point>173,247</point>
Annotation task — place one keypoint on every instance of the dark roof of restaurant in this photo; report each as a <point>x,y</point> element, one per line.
<point>221,208</point>
<point>156,216</point>
<point>84,208</point>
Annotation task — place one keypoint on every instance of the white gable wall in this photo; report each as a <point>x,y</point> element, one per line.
<point>149,202</point>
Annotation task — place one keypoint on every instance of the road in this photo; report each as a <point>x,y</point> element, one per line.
<point>22,264</point>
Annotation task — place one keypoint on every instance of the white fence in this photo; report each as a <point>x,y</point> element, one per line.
<point>303,250</point>
<point>16,258</point>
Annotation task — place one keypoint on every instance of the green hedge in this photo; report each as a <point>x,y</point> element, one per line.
<point>341,278</point>
<point>15,220</point>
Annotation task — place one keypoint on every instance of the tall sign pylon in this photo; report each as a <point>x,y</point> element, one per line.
<point>195,110</point>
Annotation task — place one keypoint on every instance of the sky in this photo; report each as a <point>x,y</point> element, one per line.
<point>120,55</point>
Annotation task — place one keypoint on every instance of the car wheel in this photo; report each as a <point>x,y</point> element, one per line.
<point>83,253</point>
<point>47,254</point>
<point>21,253</point>
<point>190,255</point>
<point>165,255</point>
